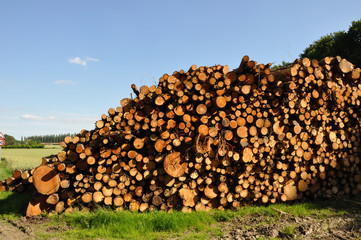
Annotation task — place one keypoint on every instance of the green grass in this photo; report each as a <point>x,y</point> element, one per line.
<point>129,225</point>
<point>109,224</point>
<point>320,208</point>
<point>27,158</point>
<point>5,170</point>
<point>288,231</point>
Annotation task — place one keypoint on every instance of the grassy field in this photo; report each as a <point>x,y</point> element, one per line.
<point>286,219</point>
<point>27,158</point>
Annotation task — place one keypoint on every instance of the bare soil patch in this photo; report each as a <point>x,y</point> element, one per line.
<point>30,228</point>
<point>290,227</point>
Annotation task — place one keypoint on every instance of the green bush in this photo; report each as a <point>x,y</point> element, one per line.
<point>346,44</point>
<point>28,144</point>
<point>25,146</point>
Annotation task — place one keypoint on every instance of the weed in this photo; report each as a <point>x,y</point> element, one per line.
<point>288,231</point>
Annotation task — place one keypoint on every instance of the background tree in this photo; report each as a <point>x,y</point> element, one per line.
<point>341,43</point>
<point>49,138</point>
<point>9,140</point>
<point>284,64</point>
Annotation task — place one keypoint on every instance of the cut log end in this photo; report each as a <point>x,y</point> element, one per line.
<point>174,165</point>
<point>46,180</point>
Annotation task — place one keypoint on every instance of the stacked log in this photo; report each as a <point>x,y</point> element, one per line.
<point>212,138</point>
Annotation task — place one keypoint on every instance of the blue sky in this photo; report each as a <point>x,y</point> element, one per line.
<point>64,63</point>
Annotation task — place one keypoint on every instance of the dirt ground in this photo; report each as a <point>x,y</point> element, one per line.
<point>290,227</point>
<point>347,226</point>
<point>30,228</point>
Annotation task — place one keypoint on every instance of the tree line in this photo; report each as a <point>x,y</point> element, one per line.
<point>346,44</point>
<point>49,138</point>
<point>36,141</point>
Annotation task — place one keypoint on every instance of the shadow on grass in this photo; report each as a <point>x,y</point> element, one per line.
<point>332,206</point>
<point>12,203</point>
<point>345,203</point>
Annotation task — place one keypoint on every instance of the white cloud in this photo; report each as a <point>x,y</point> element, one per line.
<point>64,118</point>
<point>66,82</point>
<point>37,117</point>
<point>78,60</point>
<point>92,59</point>
<point>78,120</point>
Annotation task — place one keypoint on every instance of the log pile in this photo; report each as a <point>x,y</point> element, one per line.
<point>213,138</point>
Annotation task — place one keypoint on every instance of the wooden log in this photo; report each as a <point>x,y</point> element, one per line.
<point>203,143</point>
<point>143,207</point>
<point>36,206</point>
<point>290,192</point>
<point>174,165</point>
<point>98,197</point>
<point>242,132</point>
<point>221,102</point>
<point>52,199</point>
<point>87,197</point>
<point>60,207</point>
<point>247,155</point>
<point>160,145</point>
<point>201,109</point>
<point>46,180</point>
<point>211,191</point>
<point>345,66</point>
<point>189,197</point>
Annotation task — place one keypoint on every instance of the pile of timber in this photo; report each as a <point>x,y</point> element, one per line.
<point>212,138</point>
